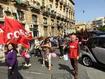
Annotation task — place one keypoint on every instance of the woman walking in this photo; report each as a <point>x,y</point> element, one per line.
<point>46,54</point>
<point>12,63</point>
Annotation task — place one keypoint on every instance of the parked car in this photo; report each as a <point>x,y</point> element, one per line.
<point>94,51</point>
<point>95,33</point>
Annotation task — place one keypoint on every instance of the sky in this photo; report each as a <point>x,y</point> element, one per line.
<point>88,10</point>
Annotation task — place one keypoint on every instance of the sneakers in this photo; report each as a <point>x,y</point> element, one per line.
<point>27,65</point>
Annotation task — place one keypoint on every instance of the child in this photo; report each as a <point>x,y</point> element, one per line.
<point>26,56</point>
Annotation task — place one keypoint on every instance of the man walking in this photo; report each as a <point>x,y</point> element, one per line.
<point>74,54</point>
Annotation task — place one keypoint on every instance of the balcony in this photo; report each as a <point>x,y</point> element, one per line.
<point>62,17</point>
<point>53,24</point>
<point>65,19</point>
<point>22,2</point>
<point>72,21</point>
<point>45,24</point>
<point>61,1</point>
<point>35,7</point>
<point>58,16</point>
<point>7,11</point>
<point>4,1</point>
<point>42,7</point>
<point>67,6</point>
<point>60,25</point>
<point>13,1</point>
<point>65,3</point>
<point>51,0</point>
<point>72,1</point>
<point>46,11</point>
<point>57,0</point>
<point>53,14</point>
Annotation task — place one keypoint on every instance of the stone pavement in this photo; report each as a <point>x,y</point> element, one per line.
<point>60,70</point>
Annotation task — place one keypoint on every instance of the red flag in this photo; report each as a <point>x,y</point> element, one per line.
<point>24,41</point>
<point>29,36</point>
<point>1,34</point>
<point>14,31</point>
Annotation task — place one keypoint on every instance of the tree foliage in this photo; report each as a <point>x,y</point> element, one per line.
<point>101,28</point>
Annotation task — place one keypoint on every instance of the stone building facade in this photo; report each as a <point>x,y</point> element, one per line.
<point>42,17</point>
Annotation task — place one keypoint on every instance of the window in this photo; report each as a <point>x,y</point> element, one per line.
<point>43,2</point>
<point>34,18</point>
<point>52,21</point>
<point>35,30</point>
<point>64,9</point>
<point>50,5</point>
<point>21,15</point>
<point>56,4</point>
<point>51,1</point>
<point>45,21</point>
<point>92,43</point>
<point>101,42</point>
<point>45,31</point>
<point>60,6</point>
<point>15,15</point>
<point>67,10</point>
<point>1,12</point>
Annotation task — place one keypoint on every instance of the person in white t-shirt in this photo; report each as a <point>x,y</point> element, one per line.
<point>37,48</point>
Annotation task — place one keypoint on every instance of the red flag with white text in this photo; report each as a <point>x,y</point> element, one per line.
<point>14,31</point>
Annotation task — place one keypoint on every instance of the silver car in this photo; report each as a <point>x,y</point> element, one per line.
<point>94,51</point>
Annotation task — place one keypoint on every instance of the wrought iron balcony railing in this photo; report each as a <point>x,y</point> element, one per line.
<point>22,2</point>
<point>46,11</point>
<point>35,5</point>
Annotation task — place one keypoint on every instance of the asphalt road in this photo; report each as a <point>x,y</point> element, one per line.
<point>60,70</point>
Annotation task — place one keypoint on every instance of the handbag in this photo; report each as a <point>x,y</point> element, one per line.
<point>65,57</point>
<point>53,55</point>
<point>27,55</point>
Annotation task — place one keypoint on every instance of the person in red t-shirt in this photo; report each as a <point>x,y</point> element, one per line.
<point>73,54</point>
